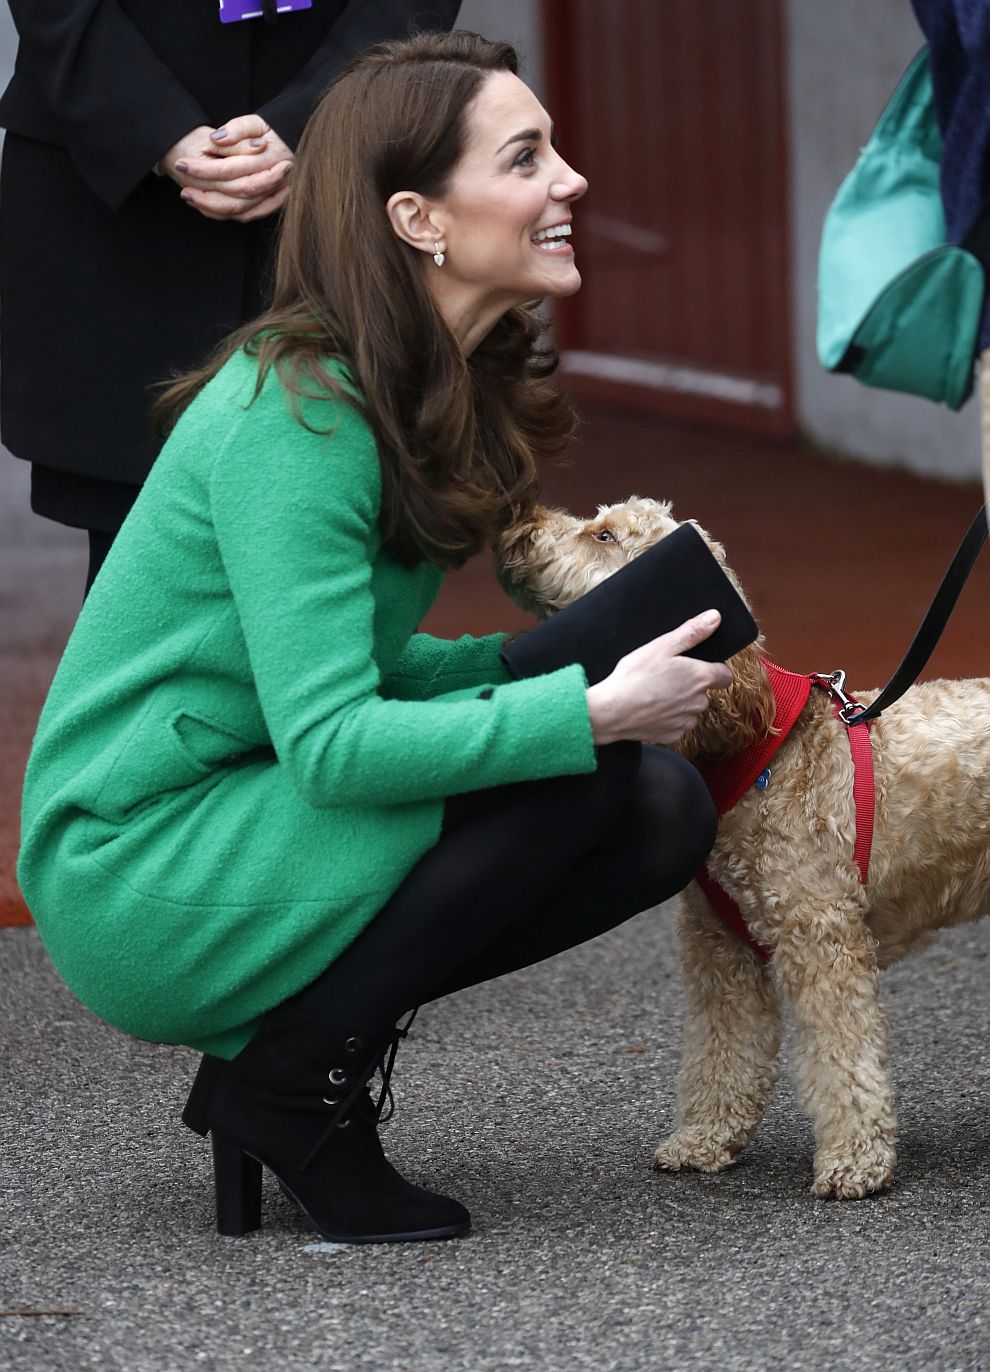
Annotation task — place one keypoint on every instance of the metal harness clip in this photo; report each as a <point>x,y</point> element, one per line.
<point>834,683</point>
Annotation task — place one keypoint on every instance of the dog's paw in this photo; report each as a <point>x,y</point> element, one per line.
<point>701,1152</point>
<point>851,1174</point>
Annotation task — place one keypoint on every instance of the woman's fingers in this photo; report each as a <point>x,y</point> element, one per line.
<point>261,184</point>
<point>210,172</point>
<point>685,637</point>
<point>244,182</point>
<point>216,159</point>
<point>655,692</point>
<point>241,127</point>
<point>191,146</point>
<point>681,640</point>
<point>222,205</point>
<point>246,147</point>
<point>242,166</point>
<point>274,148</point>
<point>215,204</point>
<point>266,207</point>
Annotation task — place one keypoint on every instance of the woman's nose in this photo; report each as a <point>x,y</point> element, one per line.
<point>568,184</point>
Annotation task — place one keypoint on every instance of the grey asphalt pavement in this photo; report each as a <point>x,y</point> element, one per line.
<point>537,1100</point>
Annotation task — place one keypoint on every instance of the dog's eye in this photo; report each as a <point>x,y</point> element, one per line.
<point>605,536</point>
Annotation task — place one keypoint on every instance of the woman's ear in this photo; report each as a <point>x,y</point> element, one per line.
<point>409,216</point>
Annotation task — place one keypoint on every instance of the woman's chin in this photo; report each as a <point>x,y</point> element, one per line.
<point>565,284</point>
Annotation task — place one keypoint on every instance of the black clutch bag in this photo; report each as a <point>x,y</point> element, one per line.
<point>677,578</point>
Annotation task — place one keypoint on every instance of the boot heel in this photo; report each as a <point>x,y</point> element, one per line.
<point>237,1179</point>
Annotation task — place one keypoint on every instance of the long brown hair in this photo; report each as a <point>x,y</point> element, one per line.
<point>458,436</point>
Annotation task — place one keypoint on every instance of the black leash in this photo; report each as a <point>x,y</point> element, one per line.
<point>931,626</point>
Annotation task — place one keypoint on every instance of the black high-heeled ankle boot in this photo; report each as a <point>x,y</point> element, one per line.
<point>296,1101</point>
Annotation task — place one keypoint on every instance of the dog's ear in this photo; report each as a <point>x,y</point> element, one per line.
<point>518,532</point>
<point>717,551</point>
<point>738,714</point>
<point>529,563</point>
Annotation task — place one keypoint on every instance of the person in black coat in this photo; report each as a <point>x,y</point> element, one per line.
<point>137,215</point>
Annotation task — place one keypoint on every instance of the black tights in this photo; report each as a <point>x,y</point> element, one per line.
<point>519,873</point>
<point>99,545</point>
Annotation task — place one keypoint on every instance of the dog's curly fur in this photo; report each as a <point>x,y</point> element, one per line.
<point>785,855</point>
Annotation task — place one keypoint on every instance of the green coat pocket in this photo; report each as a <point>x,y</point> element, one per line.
<point>164,754</point>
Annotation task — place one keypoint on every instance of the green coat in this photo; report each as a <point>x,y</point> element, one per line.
<point>247,746</point>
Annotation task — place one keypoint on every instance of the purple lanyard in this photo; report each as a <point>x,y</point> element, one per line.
<point>233,10</point>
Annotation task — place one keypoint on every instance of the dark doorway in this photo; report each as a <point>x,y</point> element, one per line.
<point>676,113</point>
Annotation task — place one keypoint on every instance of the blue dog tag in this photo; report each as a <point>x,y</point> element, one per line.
<point>233,10</point>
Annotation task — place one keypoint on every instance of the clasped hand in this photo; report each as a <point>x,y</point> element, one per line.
<point>239,172</point>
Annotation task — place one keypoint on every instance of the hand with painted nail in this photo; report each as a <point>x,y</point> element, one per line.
<point>243,174</point>
<point>191,146</point>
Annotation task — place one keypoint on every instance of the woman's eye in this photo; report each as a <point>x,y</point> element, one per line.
<point>605,536</point>
<point>526,158</point>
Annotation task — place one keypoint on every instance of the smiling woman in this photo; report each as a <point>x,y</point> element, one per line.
<point>504,220</point>
<point>263,815</point>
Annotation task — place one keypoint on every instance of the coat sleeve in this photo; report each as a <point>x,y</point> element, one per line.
<point>295,515</point>
<point>119,107</point>
<point>361,23</point>
<point>433,666</point>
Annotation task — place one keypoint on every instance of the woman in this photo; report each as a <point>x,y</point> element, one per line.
<point>262,815</point>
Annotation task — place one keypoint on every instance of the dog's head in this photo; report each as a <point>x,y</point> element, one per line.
<point>551,558</point>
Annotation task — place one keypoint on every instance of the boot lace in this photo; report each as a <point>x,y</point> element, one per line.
<point>383,1062</point>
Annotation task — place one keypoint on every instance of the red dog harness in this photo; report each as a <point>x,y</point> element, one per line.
<point>728,779</point>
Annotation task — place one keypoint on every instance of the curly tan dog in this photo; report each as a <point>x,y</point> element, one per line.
<point>785,855</point>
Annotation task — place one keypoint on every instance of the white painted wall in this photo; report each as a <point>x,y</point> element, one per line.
<point>510,21</point>
<point>8,44</point>
<point>845,58</point>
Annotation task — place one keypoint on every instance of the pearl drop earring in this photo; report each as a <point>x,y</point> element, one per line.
<point>438,256</point>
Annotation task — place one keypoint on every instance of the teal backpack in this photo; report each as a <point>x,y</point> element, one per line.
<point>898,306</point>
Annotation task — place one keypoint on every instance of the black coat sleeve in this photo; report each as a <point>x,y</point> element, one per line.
<point>119,106</point>
<point>363,22</point>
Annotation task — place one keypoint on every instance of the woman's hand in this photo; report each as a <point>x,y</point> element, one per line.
<point>195,143</point>
<point>654,693</point>
<point>239,172</point>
